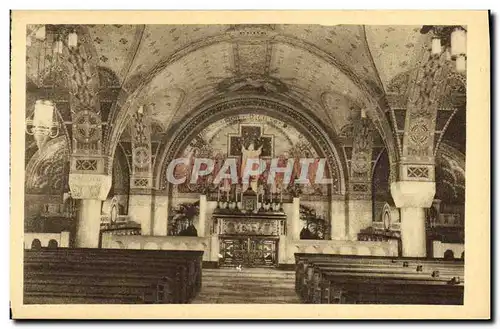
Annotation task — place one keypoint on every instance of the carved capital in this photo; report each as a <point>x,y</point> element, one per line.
<point>411,194</point>
<point>89,186</point>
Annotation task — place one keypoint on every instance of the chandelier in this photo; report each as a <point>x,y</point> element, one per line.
<point>42,125</point>
<point>452,40</point>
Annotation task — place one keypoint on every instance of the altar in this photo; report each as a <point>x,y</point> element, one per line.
<point>250,240</point>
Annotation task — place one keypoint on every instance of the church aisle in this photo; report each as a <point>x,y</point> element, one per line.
<point>249,286</point>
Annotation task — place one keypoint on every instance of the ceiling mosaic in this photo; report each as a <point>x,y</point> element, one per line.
<point>115,46</point>
<point>395,49</point>
<point>328,67</point>
<point>346,43</point>
<point>302,70</point>
<point>162,41</point>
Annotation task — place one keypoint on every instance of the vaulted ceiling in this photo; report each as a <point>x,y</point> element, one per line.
<point>335,70</point>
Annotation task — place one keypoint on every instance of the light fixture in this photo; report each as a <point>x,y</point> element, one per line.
<point>458,41</point>
<point>42,126</point>
<point>436,45</point>
<point>461,63</point>
<point>454,39</point>
<point>58,46</point>
<point>72,39</point>
<point>459,48</point>
<point>40,33</point>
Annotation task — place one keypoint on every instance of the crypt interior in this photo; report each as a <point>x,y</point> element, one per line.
<point>108,107</point>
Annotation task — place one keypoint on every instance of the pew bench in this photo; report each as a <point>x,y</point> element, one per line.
<point>111,276</point>
<point>357,279</point>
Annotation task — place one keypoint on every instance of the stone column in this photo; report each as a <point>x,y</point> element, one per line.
<point>338,219</point>
<point>141,178</point>
<point>160,214</point>
<point>89,223</point>
<point>359,199</point>
<point>295,219</point>
<point>360,215</point>
<point>91,190</point>
<point>412,197</point>
<point>203,215</point>
<point>140,210</point>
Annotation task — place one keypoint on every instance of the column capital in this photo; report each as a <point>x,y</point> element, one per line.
<point>413,194</point>
<point>89,186</point>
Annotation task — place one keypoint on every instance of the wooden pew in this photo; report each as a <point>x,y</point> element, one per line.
<point>111,276</point>
<point>357,279</point>
<point>128,259</point>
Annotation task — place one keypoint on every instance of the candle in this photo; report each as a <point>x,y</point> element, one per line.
<point>218,193</point>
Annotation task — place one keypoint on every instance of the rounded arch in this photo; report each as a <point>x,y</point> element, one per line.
<point>450,175</point>
<point>36,244</point>
<point>375,104</point>
<point>303,121</point>
<point>48,167</point>
<point>52,244</point>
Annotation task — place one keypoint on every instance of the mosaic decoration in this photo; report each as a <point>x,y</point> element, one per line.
<point>140,128</point>
<point>225,109</point>
<point>418,172</point>
<point>84,102</point>
<point>46,172</point>
<point>226,137</point>
<point>86,165</point>
<point>423,102</point>
<point>361,157</point>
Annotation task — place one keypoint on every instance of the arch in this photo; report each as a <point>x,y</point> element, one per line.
<point>375,103</point>
<point>450,175</point>
<point>36,244</point>
<point>303,122</point>
<point>48,168</point>
<point>52,244</point>
<point>449,255</point>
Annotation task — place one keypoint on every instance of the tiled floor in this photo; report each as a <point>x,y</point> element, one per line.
<point>248,286</point>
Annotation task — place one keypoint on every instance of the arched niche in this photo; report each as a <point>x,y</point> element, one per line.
<point>322,143</point>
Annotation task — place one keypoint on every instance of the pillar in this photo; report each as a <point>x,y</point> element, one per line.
<point>91,190</point>
<point>360,215</point>
<point>413,232</point>
<point>295,219</point>
<point>160,215</point>
<point>338,219</point>
<point>141,177</point>
<point>140,211</point>
<point>89,223</point>
<point>202,216</point>
<point>413,197</point>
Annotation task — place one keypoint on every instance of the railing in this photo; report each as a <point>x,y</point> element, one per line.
<point>61,240</point>
<point>334,247</point>
<point>157,243</point>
